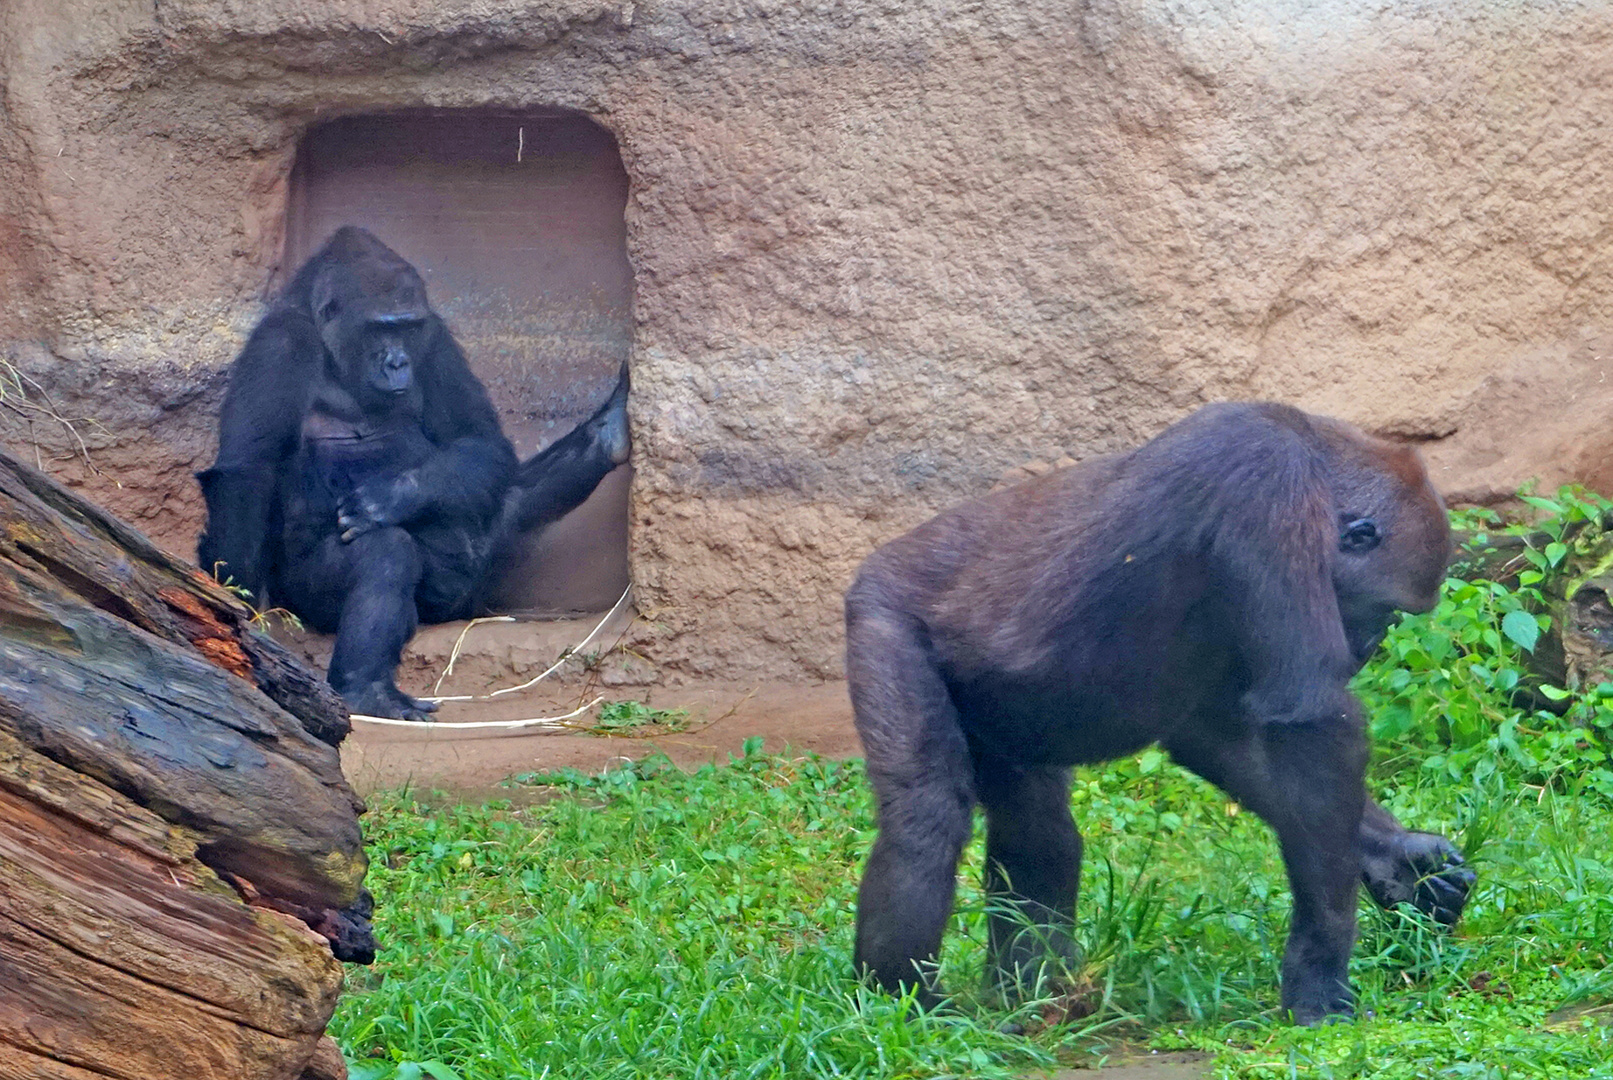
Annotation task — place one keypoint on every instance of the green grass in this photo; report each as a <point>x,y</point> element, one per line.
<point>652,923</point>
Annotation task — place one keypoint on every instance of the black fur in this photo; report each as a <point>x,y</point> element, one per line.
<point>362,479</point>
<point>1212,591</point>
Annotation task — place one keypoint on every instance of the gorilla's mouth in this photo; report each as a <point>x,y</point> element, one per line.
<point>1364,646</point>
<point>1365,624</point>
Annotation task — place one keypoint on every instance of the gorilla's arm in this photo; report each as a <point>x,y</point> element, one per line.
<point>258,429</point>
<point>468,476</point>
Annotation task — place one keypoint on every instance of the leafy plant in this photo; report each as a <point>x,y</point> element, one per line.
<point>617,717</point>
<point>1457,681</point>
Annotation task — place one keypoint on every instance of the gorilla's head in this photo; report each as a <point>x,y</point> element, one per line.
<point>1394,539</point>
<point>370,307</point>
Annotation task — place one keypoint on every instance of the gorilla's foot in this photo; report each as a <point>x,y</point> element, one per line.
<point>413,704</point>
<point>1421,869</point>
<point>1312,997</point>
<point>1041,961</point>
<point>610,423</point>
<point>383,698</point>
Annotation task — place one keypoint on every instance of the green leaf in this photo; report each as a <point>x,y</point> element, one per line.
<point>1553,693</point>
<point>1522,628</point>
<point>1555,552</point>
<point>1543,504</point>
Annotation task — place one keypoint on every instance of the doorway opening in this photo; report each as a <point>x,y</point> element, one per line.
<point>515,220</point>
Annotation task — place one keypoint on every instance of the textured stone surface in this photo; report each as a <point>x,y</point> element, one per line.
<point>882,252</point>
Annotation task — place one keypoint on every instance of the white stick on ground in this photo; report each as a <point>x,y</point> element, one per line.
<point>558,664</point>
<point>459,643</point>
<point>553,724</point>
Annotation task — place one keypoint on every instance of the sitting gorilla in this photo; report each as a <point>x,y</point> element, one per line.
<point>362,479</point>
<point>1212,591</point>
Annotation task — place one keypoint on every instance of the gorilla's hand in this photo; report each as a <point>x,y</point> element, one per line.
<point>377,504</point>
<point>1421,869</point>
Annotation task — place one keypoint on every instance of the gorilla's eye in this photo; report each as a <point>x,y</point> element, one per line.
<point>329,310</point>
<point>1358,536</point>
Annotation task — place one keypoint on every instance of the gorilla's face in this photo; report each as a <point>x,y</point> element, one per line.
<point>376,325</point>
<point>1393,556</point>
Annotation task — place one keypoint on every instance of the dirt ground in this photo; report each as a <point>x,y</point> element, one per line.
<point>1185,1065</point>
<point>471,762</point>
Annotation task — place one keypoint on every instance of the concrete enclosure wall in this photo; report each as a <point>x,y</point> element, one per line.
<point>880,252</point>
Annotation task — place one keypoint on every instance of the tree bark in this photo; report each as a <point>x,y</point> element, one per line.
<point>180,858</point>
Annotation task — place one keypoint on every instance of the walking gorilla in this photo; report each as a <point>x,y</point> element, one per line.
<point>1212,591</point>
<point>362,478</point>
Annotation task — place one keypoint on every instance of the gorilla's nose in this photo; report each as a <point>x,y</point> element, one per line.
<point>396,369</point>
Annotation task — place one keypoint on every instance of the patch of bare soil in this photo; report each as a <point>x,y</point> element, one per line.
<point>721,716</point>
<point>472,762</point>
<point>1182,1065</point>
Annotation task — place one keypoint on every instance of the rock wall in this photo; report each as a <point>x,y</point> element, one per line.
<point>881,251</point>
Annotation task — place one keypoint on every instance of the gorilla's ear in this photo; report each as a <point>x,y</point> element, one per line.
<point>1358,535</point>
<point>323,299</point>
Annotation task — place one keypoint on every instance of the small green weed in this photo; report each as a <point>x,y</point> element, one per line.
<point>262,620</point>
<point>621,717</point>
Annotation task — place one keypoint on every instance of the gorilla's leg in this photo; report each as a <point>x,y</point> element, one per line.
<point>454,560</point>
<point>919,767</point>
<point>551,484</point>
<point>378,619</point>
<point>1422,869</point>
<point>1033,870</point>
<point>1306,781</point>
<point>368,585</point>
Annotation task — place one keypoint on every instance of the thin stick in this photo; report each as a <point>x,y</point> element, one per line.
<point>558,664</point>
<point>554,723</point>
<point>459,643</point>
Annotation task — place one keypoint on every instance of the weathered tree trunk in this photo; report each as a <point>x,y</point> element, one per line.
<point>179,852</point>
<point>1577,650</point>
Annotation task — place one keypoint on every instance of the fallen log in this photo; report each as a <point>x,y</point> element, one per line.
<point>181,867</point>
